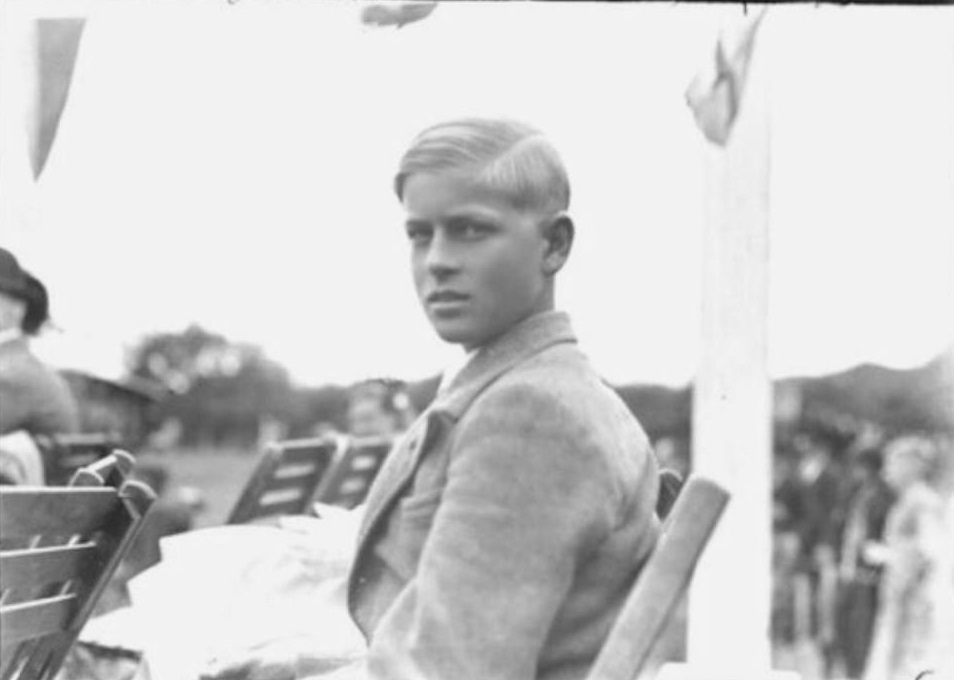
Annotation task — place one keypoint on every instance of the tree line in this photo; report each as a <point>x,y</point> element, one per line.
<point>220,390</point>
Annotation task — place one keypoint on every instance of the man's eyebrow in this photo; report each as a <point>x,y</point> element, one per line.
<point>416,222</point>
<point>472,213</point>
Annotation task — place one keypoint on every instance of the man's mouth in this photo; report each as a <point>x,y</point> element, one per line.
<point>446,296</point>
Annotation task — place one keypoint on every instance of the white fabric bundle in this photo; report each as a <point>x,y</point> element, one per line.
<point>222,593</point>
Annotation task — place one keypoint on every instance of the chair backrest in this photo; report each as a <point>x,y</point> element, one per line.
<point>354,470</point>
<point>662,582</point>
<point>58,548</point>
<point>285,479</point>
<point>64,454</point>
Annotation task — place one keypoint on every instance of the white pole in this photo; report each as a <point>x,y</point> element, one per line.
<point>729,600</point>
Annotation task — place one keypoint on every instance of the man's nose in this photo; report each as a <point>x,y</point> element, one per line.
<point>442,256</point>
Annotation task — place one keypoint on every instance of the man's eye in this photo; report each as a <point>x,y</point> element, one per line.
<point>472,230</point>
<point>418,235</point>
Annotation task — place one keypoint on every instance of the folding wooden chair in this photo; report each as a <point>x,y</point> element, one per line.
<point>285,480</point>
<point>355,469</point>
<point>64,454</point>
<point>663,581</point>
<point>58,548</point>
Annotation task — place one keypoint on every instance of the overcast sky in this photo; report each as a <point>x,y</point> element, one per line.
<point>230,165</point>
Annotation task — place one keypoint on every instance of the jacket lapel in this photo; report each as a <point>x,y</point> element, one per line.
<point>528,338</point>
<point>396,472</point>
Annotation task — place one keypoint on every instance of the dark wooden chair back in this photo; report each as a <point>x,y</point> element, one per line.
<point>670,484</point>
<point>286,479</point>
<point>64,454</point>
<point>58,548</point>
<point>354,470</point>
<point>663,581</point>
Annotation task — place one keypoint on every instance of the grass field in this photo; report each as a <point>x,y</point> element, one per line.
<point>218,474</point>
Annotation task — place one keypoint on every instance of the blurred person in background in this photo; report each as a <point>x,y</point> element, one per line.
<point>822,448</point>
<point>378,408</point>
<point>787,517</point>
<point>34,399</point>
<point>867,508</point>
<point>944,595</point>
<point>907,638</point>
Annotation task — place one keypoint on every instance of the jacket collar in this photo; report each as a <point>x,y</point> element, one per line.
<point>529,337</point>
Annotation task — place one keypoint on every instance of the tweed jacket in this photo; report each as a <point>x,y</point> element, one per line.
<point>33,397</point>
<point>504,531</point>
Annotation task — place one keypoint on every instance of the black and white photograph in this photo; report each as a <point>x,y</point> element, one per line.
<point>476,340</point>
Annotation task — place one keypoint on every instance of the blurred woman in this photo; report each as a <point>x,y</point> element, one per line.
<point>907,635</point>
<point>34,399</point>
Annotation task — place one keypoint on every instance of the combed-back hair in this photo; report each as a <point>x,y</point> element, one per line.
<point>499,154</point>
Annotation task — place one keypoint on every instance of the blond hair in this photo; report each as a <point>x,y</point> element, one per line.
<point>501,155</point>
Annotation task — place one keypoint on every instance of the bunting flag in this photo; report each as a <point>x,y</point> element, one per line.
<point>714,95</point>
<point>395,14</point>
<point>57,43</point>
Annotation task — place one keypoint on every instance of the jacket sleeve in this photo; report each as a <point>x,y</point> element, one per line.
<point>528,494</point>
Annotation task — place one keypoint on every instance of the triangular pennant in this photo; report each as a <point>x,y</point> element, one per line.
<point>716,91</point>
<point>57,45</point>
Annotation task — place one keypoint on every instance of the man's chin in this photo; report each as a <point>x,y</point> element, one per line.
<point>453,333</point>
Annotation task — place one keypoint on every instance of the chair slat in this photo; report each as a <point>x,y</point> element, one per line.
<point>37,618</point>
<point>662,581</point>
<point>19,568</point>
<point>320,451</point>
<point>29,511</point>
<point>287,507</point>
<point>276,497</point>
<point>301,483</point>
<point>296,470</point>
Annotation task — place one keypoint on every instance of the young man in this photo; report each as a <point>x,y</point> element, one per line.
<point>504,531</point>
<point>502,536</point>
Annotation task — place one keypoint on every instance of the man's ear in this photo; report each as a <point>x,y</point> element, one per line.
<point>558,232</point>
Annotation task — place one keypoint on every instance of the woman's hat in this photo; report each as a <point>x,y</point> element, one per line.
<point>13,280</point>
<point>37,306</point>
<point>21,284</point>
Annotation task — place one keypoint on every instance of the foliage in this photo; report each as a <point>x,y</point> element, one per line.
<point>221,389</point>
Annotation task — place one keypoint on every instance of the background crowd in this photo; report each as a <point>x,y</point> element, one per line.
<point>863,548</point>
